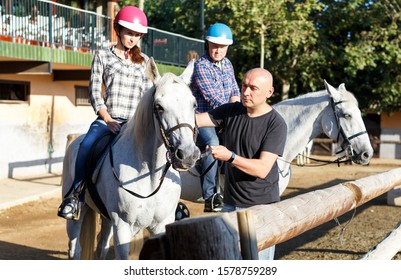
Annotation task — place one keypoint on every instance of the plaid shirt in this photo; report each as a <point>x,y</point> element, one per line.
<point>211,85</point>
<point>124,84</point>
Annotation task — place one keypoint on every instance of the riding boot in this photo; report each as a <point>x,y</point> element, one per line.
<point>69,208</point>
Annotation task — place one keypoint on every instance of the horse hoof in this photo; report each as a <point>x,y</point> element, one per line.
<point>181,212</point>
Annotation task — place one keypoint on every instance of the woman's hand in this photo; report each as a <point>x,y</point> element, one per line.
<point>113,125</point>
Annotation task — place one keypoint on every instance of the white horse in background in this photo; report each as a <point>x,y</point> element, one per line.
<point>136,187</point>
<point>303,156</point>
<point>334,112</point>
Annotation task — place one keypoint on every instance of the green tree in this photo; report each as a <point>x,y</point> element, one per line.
<point>361,41</point>
<point>178,16</point>
<point>302,42</point>
<point>123,3</point>
<point>277,35</point>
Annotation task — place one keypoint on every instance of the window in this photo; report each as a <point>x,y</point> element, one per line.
<point>82,96</point>
<point>14,91</point>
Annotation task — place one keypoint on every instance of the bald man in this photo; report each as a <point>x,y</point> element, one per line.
<point>254,137</point>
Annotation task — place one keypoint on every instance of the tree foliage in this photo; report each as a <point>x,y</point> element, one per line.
<point>356,42</point>
<point>178,16</point>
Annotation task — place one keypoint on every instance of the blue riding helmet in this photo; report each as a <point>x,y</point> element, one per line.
<point>219,33</point>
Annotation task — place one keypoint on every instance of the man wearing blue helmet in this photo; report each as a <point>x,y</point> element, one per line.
<point>213,84</point>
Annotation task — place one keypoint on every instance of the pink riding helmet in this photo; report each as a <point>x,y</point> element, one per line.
<point>132,18</point>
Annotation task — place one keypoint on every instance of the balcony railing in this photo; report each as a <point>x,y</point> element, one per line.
<point>50,24</point>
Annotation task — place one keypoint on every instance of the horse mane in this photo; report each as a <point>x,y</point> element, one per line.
<point>347,96</point>
<point>296,110</point>
<point>142,121</point>
<point>299,99</point>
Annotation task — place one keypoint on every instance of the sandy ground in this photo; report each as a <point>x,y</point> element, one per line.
<point>33,231</point>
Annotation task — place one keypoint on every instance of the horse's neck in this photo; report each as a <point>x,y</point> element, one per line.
<point>148,156</point>
<point>303,117</point>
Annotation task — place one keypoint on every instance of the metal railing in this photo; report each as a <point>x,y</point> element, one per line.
<point>171,48</point>
<point>50,24</point>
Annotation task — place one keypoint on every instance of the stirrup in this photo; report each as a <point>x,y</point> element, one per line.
<point>69,208</point>
<point>181,212</point>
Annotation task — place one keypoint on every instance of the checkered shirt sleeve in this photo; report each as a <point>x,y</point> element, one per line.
<point>211,86</point>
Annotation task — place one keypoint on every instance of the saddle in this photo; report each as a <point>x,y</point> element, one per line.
<point>93,165</point>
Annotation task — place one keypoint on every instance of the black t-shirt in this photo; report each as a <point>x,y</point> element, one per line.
<point>248,137</point>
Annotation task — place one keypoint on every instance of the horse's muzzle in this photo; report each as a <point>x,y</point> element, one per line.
<point>182,161</point>
<point>362,158</point>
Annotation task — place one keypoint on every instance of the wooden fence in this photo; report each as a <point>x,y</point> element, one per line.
<point>217,236</point>
<point>388,248</point>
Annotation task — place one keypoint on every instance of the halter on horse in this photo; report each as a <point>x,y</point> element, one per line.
<point>333,112</point>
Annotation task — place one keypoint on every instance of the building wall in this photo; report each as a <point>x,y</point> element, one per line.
<point>390,131</point>
<point>34,134</point>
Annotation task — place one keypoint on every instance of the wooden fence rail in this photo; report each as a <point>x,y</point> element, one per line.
<point>388,248</point>
<point>213,236</point>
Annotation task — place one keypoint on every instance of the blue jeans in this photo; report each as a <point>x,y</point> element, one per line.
<point>265,254</point>
<point>97,129</point>
<point>208,136</point>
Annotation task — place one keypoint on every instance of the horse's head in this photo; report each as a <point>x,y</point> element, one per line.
<point>174,109</point>
<point>347,126</point>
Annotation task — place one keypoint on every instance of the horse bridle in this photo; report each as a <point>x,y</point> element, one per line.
<point>346,145</point>
<point>170,154</point>
<point>165,133</point>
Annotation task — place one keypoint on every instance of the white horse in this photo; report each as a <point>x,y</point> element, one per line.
<point>333,112</point>
<point>303,156</point>
<point>137,188</point>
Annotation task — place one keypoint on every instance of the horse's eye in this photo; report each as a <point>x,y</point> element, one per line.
<point>159,108</point>
<point>347,116</point>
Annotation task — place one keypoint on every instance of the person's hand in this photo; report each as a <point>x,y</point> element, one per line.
<point>220,152</point>
<point>113,125</point>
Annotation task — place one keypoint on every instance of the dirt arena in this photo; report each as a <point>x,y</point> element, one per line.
<point>33,231</point>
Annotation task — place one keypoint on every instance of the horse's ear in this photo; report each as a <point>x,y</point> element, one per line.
<point>151,70</point>
<point>342,87</point>
<point>334,93</point>
<point>187,74</point>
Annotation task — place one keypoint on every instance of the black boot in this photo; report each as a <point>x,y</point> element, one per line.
<point>69,208</point>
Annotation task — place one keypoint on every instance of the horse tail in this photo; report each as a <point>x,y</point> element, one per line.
<point>88,235</point>
<point>136,245</point>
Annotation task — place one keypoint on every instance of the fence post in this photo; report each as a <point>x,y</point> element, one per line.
<point>210,237</point>
<point>394,196</point>
<point>247,235</point>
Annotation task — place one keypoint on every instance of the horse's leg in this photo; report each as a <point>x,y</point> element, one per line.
<point>73,233</point>
<point>105,235</point>
<point>301,157</point>
<point>122,238</point>
<point>160,227</point>
<point>309,150</point>
<point>284,177</point>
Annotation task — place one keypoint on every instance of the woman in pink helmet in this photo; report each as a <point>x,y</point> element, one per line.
<point>121,70</point>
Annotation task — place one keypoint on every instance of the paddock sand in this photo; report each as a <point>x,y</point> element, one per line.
<point>33,231</point>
